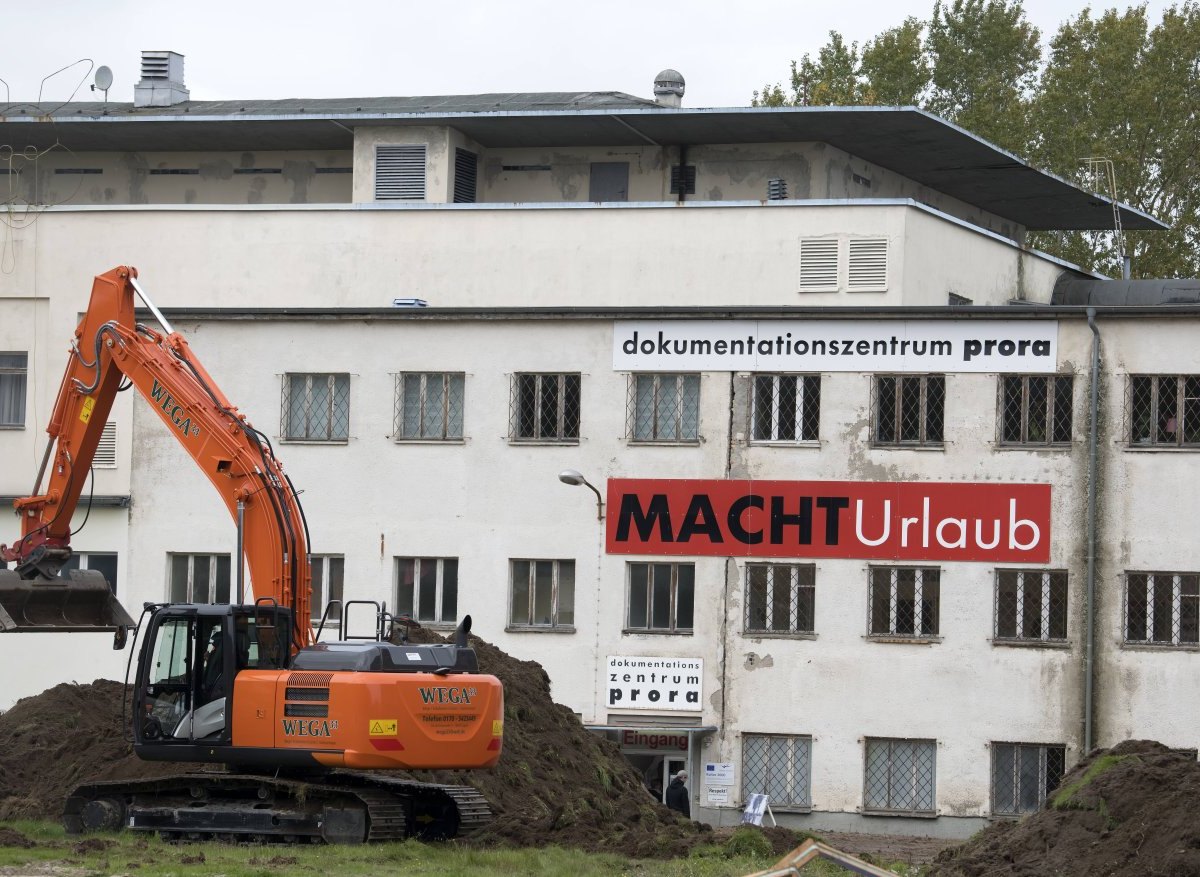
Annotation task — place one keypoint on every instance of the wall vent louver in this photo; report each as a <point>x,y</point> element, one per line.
<point>400,173</point>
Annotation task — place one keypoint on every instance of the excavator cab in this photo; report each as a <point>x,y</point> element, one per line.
<point>74,601</point>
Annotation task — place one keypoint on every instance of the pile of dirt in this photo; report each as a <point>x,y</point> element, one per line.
<point>1129,811</point>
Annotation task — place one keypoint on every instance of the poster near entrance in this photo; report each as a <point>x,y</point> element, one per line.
<point>644,682</point>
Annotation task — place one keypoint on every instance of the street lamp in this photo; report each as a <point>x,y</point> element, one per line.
<point>574,478</point>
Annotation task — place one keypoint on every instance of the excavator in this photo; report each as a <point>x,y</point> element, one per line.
<point>298,734</point>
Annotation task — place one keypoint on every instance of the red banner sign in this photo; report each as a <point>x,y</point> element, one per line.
<point>871,520</point>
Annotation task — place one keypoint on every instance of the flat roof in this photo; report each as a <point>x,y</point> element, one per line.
<point>907,140</point>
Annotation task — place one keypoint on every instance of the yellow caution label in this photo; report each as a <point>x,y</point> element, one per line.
<point>85,413</point>
<point>497,728</point>
<point>382,728</point>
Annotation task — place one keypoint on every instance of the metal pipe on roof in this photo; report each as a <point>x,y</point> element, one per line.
<point>1090,599</point>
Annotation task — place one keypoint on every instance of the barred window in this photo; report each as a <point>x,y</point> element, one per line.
<point>909,410</point>
<point>900,776</point>
<point>664,408</point>
<point>787,408</point>
<point>904,601</point>
<point>1164,410</point>
<point>316,407</point>
<point>661,597</point>
<point>14,374</point>
<point>545,408</point>
<point>199,578</point>
<point>780,767</point>
<point>1031,605</point>
<point>1036,409</point>
<point>1023,776</point>
<point>427,588</point>
<point>780,598</point>
<point>327,572</point>
<point>543,593</point>
<point>429,406</point>
<point>1162,608</point>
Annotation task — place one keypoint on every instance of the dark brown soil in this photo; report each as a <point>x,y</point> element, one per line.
<point>1138,818</point>
<point>11,838</point>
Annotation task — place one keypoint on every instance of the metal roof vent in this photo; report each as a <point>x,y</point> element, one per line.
<point>668,88</point>
<point>776,189</point>
<point>162,81</point>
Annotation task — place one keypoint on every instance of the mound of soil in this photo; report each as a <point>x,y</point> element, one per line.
<point>1129,811</point>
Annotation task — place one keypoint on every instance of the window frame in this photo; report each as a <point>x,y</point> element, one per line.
<point>447,417</point>
<point>556,595</point>
<point>1177,609</point>
<point>19,375</point>
<point>1044,776</point>
<point>1051,411</point>
<point>285,430</point>
<point>803,577</point>
<point>84,562</point>
<point>879,394</point>
<point>673,627</point>
<point>917,812</point>
<point>892,635</point>
<point>792,803</point>
<point>322,583</point>
<point>214,576</point>
<point>1181,418</point>
<point>1046,603</point>
<point>657,432</point>
<point>807,394</point>
<point>439,589</point>
<point>562,434</point>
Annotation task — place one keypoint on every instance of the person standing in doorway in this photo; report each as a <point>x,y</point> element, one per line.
<point>677,795</point>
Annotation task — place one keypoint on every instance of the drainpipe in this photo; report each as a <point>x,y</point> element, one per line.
<point>682,172</point>
<point>1090,654</point>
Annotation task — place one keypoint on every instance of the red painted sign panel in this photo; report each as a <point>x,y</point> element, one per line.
<point>871,520</point>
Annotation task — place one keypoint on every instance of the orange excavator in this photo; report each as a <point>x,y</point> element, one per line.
<point>246,686</point>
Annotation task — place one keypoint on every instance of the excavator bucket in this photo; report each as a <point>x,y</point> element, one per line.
<point>79,601</point>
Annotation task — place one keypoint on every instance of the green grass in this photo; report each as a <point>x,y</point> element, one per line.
<point>145,855</point>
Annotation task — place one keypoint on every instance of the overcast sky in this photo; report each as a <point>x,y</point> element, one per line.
<point>364,49</point>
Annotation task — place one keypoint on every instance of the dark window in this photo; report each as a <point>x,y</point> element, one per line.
<point>780,767</point>
<point>545,408</point>
<point>1031,605</point>
<point>1162,608</point>
<point>780,598</point>
<point>101,562</point>
<point>199,578</point>
<point>683,179</point>
<point>787,408</point>
<point>1024,775</point>
<point>466,170</point>
<point>427,588</point>
<point>904,601</point>
<point>900,776</point>
<point>543,593</point>
<point>328,575</point>
<point>661,597</point>
<point>14,375</point>
<point>1164,410</point>
<point>909,410</point>
<point>1036,409</point>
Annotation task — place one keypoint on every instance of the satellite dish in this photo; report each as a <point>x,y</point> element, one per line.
<point>104,79</point>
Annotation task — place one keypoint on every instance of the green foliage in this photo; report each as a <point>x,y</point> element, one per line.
<point>894,68</point>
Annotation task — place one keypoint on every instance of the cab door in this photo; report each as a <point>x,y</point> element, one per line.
<point>165,680</point>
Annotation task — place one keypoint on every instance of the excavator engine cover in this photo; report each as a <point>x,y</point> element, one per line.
<point>78,601</point>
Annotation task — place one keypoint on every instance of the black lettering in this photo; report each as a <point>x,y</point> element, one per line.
<point>629,346</point>
<point>863,347</point>
<point>701,347</point>
<point>662,344</point>
<point>833,506</point>
<point>780,519</point>
<point>658,513</point>
<point>1041,348</point>
<point>700,518</point>
<point>734,519</point>
<point>940,348</point>
<point>971,348</point>
<point>847,347</point>
<point>1007,347</point>
<point>720,347</point>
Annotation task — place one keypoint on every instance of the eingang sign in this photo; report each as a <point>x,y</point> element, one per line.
<point>905,346</point>
<point>869,520</point>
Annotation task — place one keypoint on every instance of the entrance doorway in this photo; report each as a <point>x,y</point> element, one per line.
<point>671,766</point>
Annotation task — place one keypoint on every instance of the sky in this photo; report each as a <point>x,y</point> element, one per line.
<point>299,49</point>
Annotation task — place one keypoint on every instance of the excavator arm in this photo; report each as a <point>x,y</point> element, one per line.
<point>110,348</point>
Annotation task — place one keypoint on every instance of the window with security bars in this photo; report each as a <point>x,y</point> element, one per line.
<point>900,777</point>
<point>545,408</point>
<point>664,408</point>
<point>328,574</point>
<point>316,407</point>
<point>199,578</point>
<point>466,173</point>
<point>786,408</point>
<point>1162,608</point>
<point>1164,410</point>
<point>1024,775</point>
<point>429,406</point>
<point>909,410</point>
<point>1036,409</point>
<point>543,593</point>
<point>400,173</point>
<point>1031,605</point>
<point>427,588</point>
<point>780,767</point>
<point>14,374</point>
<point>662,597</point>
<point>780,598</point>
<point>904,601</point>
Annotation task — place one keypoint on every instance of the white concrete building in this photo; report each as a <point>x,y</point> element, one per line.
<point>779,535</point>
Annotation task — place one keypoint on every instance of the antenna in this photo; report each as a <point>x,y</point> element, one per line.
<point>104,81</point>
<point>1105,174</point>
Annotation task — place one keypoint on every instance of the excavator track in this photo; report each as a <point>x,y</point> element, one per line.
<point>337,807</point>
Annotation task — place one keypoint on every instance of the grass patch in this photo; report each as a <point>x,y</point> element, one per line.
<point>1064,798</point>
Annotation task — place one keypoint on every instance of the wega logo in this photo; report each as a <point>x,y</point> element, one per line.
<point>309,727</point>
<point>439,695</point>
<point>172,409</point>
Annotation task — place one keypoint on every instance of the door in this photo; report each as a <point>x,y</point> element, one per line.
<point>672,766</point>
<point>610,181</point>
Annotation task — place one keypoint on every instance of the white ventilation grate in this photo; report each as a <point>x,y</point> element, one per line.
<point>818,264</point>
<point>868,265</point>
<point>106,451</point>
<point>400,173</point>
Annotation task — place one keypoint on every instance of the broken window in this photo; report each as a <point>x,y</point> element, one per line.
<point>661,597</point>
<point>1031,605</point>
<point>1036,409</point>
<point>904,601</point>
<point>909,410</point>
<point>1164,410</point>
<point>780,767</point>
<point>786,408</point>
<point>1024,775</point>
<point>1162,608</point>
<point>899,776</point>
<point>780,598</point>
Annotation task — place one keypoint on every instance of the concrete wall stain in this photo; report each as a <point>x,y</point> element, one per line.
<point>299,174</point>
<point>754,661</point>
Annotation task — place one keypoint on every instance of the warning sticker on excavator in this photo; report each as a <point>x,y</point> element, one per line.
<point>497,728</point>
<point>85,412</point>
<point>382,728</point>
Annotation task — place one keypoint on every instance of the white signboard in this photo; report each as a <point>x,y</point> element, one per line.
<point>717,795</point>
<point>836,345</point>
<point>640,682</point>
<point>755,807</point>
<point>719,772</point>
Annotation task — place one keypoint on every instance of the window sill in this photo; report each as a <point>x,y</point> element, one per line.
<point>890,639</point>
<point>941,446</point>
<point>1032,643</point>
<point>1033,446</point>
<point>798,809</point>
<point>906,814</point>
<point>429,441</point>
<point>634,631</point>
<point>300,441</point>
<point>645,443</point>
<point>566,443</point>
<point>1160,449</point>
<point>12,426</point>
<point>534,628</point>
<point>779,634</point>
<point>810,444</point>
<point>1160,647</point>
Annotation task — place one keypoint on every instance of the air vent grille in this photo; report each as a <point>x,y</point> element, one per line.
<point>400,173</point>
<point>106,450</point>
<point>868,265</point>
<point>818,264</point>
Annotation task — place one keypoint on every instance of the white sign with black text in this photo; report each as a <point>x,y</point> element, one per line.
<point>718,772</point>
<point>641,682</point>
<point>906,346</point>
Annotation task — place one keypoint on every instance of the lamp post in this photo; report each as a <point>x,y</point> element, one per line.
<point>575,479</point>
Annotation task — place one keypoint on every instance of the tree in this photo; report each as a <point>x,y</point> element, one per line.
<point>830,80</point>
<point>894,67</point>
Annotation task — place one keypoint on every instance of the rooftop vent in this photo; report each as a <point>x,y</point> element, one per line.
<point>668,88</point>
<point>162,81</point>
